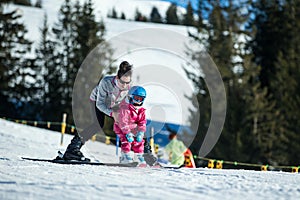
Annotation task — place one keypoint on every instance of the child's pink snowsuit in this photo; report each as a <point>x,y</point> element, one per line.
<point>131,119</point>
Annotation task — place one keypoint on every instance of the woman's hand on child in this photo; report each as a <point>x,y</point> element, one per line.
<point>129,137</point>
<point>115,115</point>
<point>139,136</point>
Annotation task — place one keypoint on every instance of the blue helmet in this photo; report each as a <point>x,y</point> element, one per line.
<point>137,95</point>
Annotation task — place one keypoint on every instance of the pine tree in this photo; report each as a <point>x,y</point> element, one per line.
<point>171,15</point>
<point>188,19</point>
<point>6,108</point>
<point>267,16</point>
<point>22,2</point>
<point>50,75</point>
<point>114,13</point>
<point>15,68</point>
<point>123,16</point>
<point>139,16</point>
<point>261,120</point>
<point>200,10</point>
<point>38,4</point>
<point>286,85</point>
<point>65,35</point>
<point>155,15</point>
<point>202,101</point>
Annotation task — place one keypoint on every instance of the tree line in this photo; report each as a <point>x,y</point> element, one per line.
<point>172,16</point>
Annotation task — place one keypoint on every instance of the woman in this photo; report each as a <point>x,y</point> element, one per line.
<point>104,101</point>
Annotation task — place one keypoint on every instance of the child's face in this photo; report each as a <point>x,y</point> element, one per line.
<point>137,100</point>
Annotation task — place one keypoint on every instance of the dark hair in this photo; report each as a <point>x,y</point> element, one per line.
<point>124,69</point>
<point>172,135</point>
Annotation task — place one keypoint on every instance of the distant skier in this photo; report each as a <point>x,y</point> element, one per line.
<point>131,125</point>
<point>104,100</point>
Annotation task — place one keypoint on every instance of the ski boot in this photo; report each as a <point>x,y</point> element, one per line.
<point>150,159</point>
<point>140,159</point>
<point>125,157</point>
<point>73,150</point>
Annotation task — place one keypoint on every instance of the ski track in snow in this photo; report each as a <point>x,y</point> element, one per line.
<point>22,179</point>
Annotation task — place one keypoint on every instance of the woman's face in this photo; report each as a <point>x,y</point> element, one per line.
<point>123,82</point>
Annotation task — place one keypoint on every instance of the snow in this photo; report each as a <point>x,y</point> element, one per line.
<point>21,179</point>
<point>104,7</point>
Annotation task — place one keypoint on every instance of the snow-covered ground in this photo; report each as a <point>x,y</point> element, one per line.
<point>21,179</point>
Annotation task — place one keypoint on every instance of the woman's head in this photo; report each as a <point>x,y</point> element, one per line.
<point>124,69</point>
<point>172,136</point>
<point>124,75</point>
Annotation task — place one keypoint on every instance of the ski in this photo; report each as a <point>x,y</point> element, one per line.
<point>76,162</point>
<point>173,167</point>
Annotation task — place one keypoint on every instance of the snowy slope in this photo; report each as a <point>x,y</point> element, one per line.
<point>33,17</point>
<point>20,179</point>
<point>104,7</point>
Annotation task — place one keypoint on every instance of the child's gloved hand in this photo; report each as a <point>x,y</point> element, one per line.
<point>129,137</point>
<point>139,136</point>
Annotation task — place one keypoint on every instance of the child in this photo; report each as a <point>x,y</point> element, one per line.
<point>131,125</point>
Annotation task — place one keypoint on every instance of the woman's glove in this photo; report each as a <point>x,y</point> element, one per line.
<point>139,136</point>
<point>129,137</point>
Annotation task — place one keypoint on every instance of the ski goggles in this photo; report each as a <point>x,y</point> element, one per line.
<point>138,98</point>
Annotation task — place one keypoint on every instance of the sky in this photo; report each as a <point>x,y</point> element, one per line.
<point>28,180</point>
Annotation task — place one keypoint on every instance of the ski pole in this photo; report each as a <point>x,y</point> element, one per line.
<point>117,145</point>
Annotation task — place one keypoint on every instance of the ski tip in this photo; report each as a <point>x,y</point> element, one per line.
<point>142,165</point>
